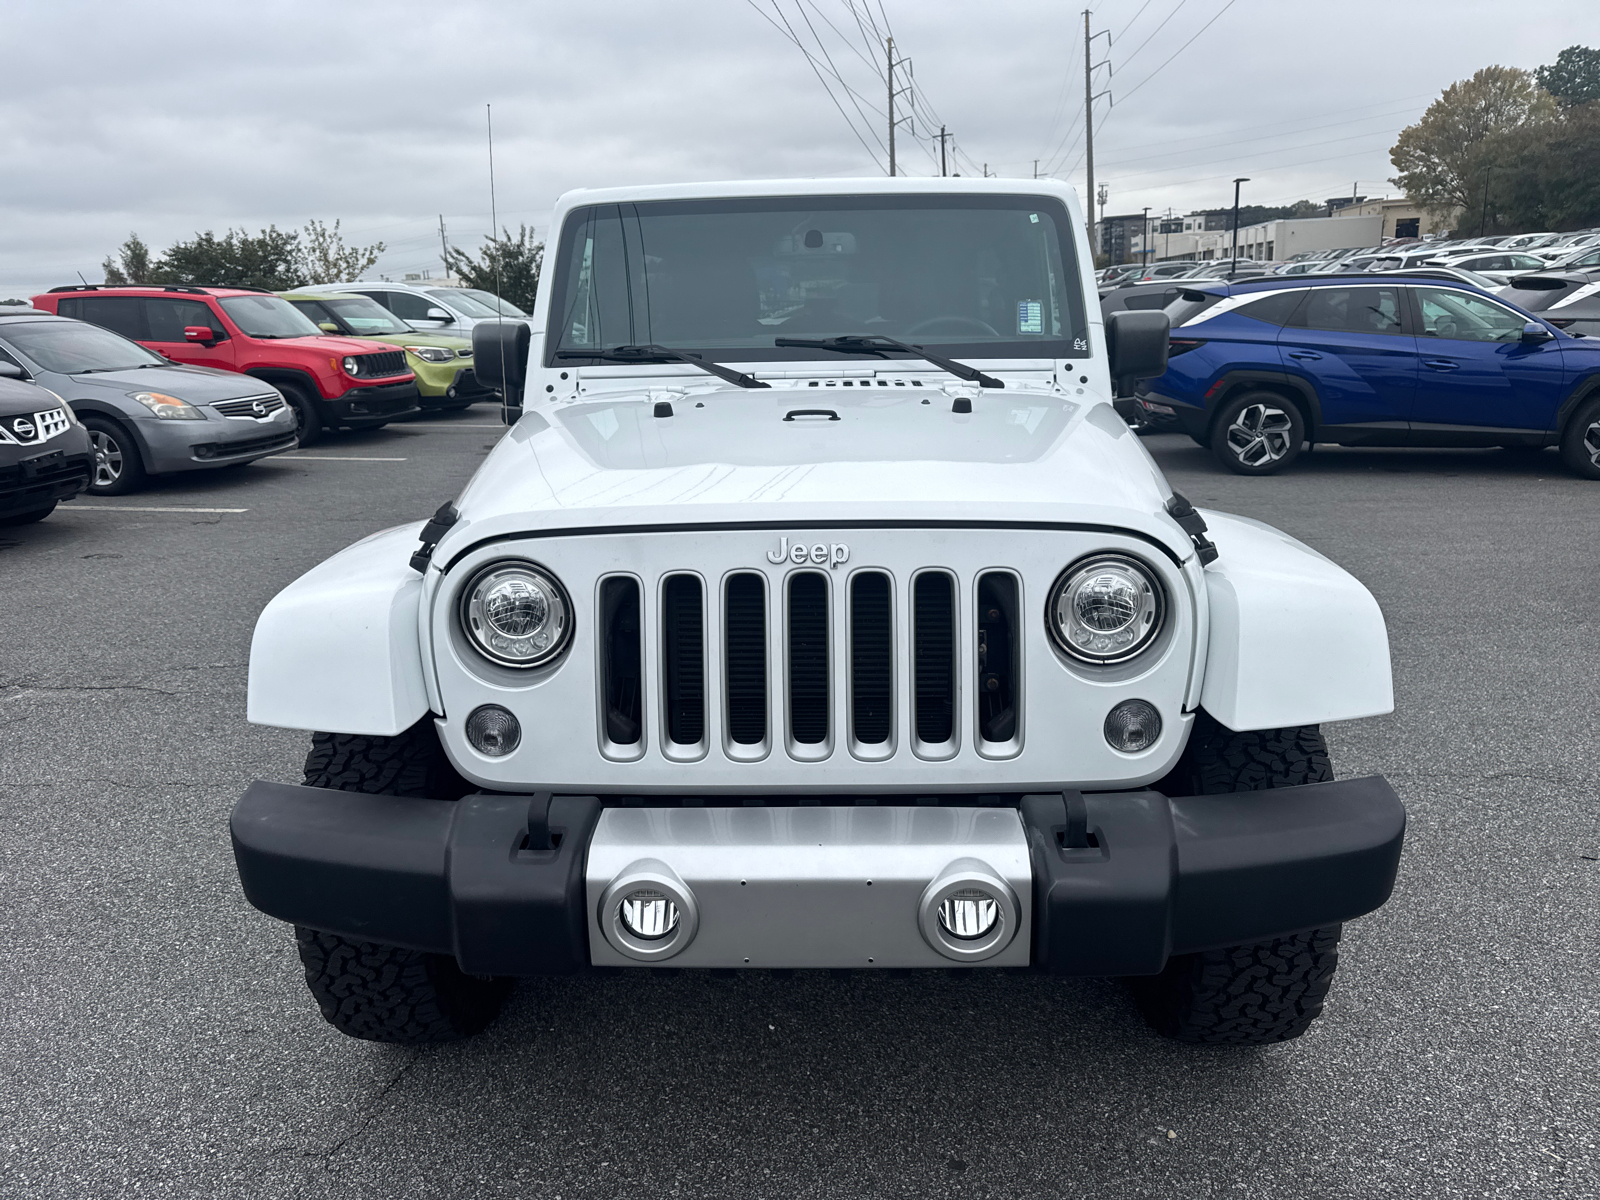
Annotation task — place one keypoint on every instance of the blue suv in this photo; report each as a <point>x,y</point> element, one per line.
<point>1259,369</point>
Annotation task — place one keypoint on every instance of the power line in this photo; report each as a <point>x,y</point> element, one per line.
<point>1154,31</point>
<point>1179,50</point>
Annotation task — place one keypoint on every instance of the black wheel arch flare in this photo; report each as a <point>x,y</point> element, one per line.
<point>1291,387</point>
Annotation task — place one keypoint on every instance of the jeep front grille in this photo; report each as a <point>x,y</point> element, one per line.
<point>788,641</point>
<point>375,366</point>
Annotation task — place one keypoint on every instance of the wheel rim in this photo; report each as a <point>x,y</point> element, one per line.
<point>1591,443</point>
<point>107,458</point>
<point>1260,435</point>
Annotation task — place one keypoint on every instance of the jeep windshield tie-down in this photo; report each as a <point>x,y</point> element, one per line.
<point>869,683</point>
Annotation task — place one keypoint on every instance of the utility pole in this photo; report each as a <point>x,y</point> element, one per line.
<point>943,168</point>
<point>986,170</point>
<point>444,247</point>
<point>1036,168</point>
<point>1089,98</point>
<point>1233,263</point>
<point>1094,242</point>
<point>893,92</point>
<point>1144,241</point>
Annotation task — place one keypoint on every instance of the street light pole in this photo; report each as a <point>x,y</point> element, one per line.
<point>1144,241</point>
<point>1233,263</point>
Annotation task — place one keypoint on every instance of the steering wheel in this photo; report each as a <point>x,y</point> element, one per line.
<point>929,325</point>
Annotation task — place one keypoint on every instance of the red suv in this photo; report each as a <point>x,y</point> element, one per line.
<point>330,382</point>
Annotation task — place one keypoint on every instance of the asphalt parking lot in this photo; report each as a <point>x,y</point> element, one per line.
<point>158,1040</point>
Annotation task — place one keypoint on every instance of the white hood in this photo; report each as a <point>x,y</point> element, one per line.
<point>1028,453</point>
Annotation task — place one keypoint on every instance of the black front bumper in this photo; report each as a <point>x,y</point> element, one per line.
<point>36,481</point>
<point>363,407</point>
<point>1120,882</point>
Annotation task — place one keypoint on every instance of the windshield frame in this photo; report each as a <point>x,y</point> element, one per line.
<point>228,303</point>
<point>16,346</point>
<point>331,303</point>
<point>1073,280</point>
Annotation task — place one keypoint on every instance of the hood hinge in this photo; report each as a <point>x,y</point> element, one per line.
<point>431,533</point>
<point>1181,511</point>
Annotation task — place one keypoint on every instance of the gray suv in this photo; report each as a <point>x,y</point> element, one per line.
<point>145,414</point>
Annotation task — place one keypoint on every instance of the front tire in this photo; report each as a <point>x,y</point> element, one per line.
<point>118,469</point>
<point>1258,433</point>
<point>1580,442</point>
<point>307,420</point>
<point>387,993</point>
<point>1264,992</point>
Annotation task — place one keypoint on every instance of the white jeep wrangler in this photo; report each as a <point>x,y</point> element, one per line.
<point>818,610</point>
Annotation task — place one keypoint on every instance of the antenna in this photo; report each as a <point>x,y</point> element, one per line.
<point>80,276</point>
<point>496,251</point>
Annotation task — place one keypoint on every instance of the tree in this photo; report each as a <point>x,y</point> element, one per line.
<point>507,266</point>
<point>1574,78</point>
<point>324,257</point>
<point>24,303</point>
<point>271,260</point>
<point>132,264</point>
<point>1476,128</point>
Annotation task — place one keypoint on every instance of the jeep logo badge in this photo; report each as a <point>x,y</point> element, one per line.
<point>24,428</point>
<point>823,554</point>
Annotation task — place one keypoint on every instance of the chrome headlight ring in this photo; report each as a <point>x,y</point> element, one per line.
<point>516,614</point>
<point>1106,608</point>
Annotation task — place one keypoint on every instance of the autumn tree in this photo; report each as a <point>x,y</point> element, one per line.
<point>1446,160</point>
<point>507,266</point>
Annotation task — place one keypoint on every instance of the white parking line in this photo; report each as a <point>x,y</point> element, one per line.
<point>147,508</point>
<point>333,458</point>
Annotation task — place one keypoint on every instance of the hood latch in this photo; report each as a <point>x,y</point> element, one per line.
<point>436,529</point>
<point>1181,511</point>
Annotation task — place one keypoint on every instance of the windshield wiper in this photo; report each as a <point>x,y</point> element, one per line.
<point>98,370</point>
<point>876,343</point>
<point>654,353</point>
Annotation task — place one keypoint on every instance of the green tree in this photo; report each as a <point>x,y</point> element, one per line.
<point>1574,78</point>
<point>324,258</point>
<point>132,264</point>
<point>507,266</point>
<point>24,303</point>
<point>1477,127</point>
<point>271,260</point>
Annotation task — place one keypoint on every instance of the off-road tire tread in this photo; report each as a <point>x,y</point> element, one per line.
<point>1244,995</point>
<point>1218,760</point>
<point>389,994</point>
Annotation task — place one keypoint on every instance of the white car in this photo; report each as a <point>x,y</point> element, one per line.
<point>433,309</point>
<point>819,611</point>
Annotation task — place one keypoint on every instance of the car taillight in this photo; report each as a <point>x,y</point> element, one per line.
<point>1177,346</point>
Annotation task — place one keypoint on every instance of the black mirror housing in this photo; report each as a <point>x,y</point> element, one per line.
<point>1136,347</point>
<point>500,361</point>
<point>1533,332</point>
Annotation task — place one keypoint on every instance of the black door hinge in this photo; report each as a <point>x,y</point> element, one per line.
<point>1181,511</point>
<point>431,533</point>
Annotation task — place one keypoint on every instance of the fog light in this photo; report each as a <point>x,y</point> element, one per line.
<point>1132,726</point>
<point>492,730</point>
<point>648,914</point>
<point>968,914</point>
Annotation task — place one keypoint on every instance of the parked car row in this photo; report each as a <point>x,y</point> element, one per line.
<point>155,380</point>
<point>1258,370</point>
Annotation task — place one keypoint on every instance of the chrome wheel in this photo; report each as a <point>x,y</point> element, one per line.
<point>1260,435</point>
<point>108,462</point>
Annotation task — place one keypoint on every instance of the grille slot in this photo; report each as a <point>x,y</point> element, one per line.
<point>808,658</point>
<point>621,660</point>
<point>247,406</point>
<point>934,658</point>
<point>375,366</point>
<point>683,658</point>
<point>745,626</point>
<point>871,658</point>
<point>999,656</point>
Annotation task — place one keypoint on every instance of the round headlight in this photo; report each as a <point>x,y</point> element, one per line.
<point>351,366</point>
<point>516,614</point>
<point>1105,609</point>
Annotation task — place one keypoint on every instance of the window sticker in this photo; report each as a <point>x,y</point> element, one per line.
<point>1030,316</point>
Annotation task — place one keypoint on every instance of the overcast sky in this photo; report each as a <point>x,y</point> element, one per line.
<point>170,118</point>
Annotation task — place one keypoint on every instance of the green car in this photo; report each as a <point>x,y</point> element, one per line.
<point>441,363</point>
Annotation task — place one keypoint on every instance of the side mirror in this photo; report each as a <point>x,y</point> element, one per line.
<point>500,361</point>
<point>1533,333</point>
<point>328,327</point>
<point>199,333</point>
<point>11,371</point>
<point>438,314</point>
<point>1136,346</point>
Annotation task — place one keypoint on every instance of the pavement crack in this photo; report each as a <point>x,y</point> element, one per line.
<point>23,688</point>
<point>328,1155</point>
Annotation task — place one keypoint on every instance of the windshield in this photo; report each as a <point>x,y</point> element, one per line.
<point>72,347</point>
<point>984,276</point>
<point>268,317</point>
<point>355,314</point>
<point>476,303</point>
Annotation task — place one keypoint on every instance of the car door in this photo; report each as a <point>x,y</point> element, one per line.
<point>1354,345</point>
<point>166,318</point>
<point>409,306</point>
<point>1478,378</point>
